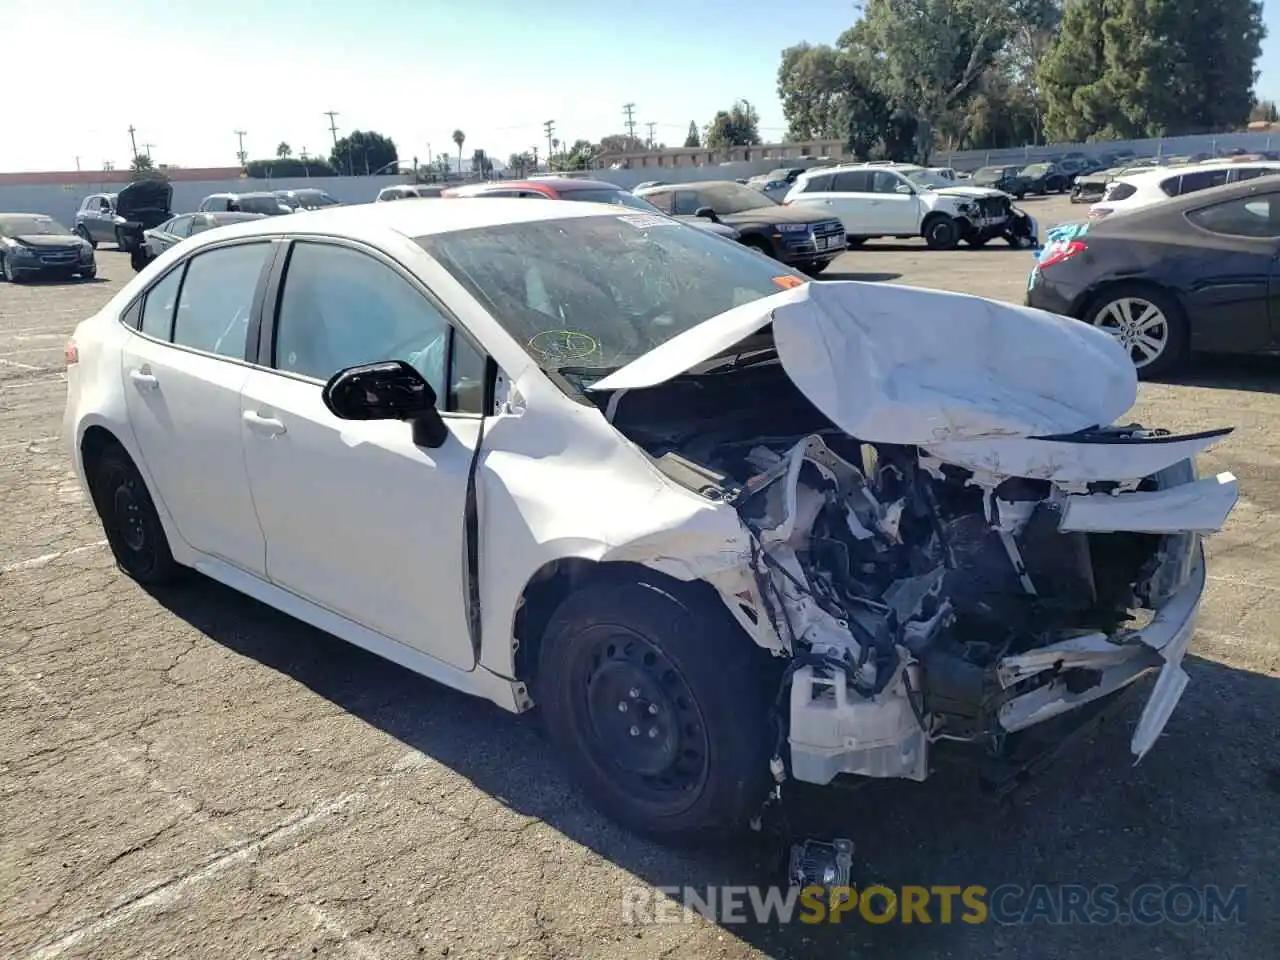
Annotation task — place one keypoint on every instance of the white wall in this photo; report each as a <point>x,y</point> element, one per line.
<point>63,202</point>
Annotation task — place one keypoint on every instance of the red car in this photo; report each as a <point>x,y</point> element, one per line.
<point>582,190</point>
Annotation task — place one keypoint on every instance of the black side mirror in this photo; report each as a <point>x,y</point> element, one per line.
<point>707,214</point>
<point>388,390</point>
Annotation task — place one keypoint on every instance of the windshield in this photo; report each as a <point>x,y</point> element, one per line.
<point>268,205</point>
<point>996,172</point>
<point>929,178</point>
<point>732,198</point>
<point>32,226</point>
<point>1035,169</point>
<point>587,295</point>
<point>605,195</point>
<point>312,199</point>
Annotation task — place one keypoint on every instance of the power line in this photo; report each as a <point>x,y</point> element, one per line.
<point>629,109</point>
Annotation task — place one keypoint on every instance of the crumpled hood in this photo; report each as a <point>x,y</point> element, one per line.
<point>896,364</point>
<point>977,193</point>
<point>61,241</point>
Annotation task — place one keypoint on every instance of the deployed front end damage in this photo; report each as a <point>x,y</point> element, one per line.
<point>943,541</point>
<point>925,602</point>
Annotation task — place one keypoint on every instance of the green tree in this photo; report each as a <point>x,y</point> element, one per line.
<point>290,167</point>
<point>737,126</point>
<point>459,138</point>
<point>692,139</point>
<point>363,152</point>
<point>580,155</point>
<point>283,150</point>
<point>142,167</point>
<point>621,143</point>
<point>1264,110</point>
<point>481,164</point>
<point>1151,68</point>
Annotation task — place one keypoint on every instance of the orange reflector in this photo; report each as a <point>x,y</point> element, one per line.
<point>786,283</point>
<point>71,353</point>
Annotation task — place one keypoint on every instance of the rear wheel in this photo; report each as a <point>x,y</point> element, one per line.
<point>759,243</point>
<point>941,232</point>
<point>130,520</point>
<point>658,706</point>
<point>1148,322</point>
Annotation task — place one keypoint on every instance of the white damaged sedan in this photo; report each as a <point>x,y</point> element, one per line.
<point>723,526</point>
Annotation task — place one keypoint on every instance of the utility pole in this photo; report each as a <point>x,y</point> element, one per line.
<point>535,158</point>
<point>650,125</point>
<point>147,147</point>
<point>629,110</point>
<point>133,142</point>
<point>240,153</point>
<point>333,129</point>
<point>550,128</point>
<point>77,164</point>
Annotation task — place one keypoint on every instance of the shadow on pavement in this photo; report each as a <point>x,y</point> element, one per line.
<point>858,275</point>
<point>1199,810</point>
<point>1255,374</point>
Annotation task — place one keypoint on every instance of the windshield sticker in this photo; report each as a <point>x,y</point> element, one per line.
<point>642,221</point>
<point>787,283</point>
<point>563,345</point>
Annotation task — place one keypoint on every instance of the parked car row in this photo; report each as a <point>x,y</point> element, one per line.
<point>1179,272</point>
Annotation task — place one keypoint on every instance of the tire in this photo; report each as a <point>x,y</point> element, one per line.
<point>1109,310</point>
<point>813,269</point>
<point>84,235</point>
<point>1020,195</point>
<point>852,243</point>
<point>130,521</point>
<point>89,274</point>
<point>760,244</point>
<point>978,240</point>
<point>138,259</point>
<point>941,232</point>
<point>9,273</point>
<point>681,661</point>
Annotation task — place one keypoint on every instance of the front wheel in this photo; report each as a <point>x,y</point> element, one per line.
<point>852,243</point>
<point>10,274</point>
<point>89,273</point>
<point>138,259</point>
<point>658,706</point>
<point>813,269</point>
<point>1148,323</point>
<point>941,233</point>
<point>130,520</point>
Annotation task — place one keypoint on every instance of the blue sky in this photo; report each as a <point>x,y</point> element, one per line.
<point>412,70</point>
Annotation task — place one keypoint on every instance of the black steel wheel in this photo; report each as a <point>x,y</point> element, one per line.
<point>129,519</point>
<point>657,704</point>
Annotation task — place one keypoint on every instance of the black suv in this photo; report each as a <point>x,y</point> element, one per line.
<point>140,206</point>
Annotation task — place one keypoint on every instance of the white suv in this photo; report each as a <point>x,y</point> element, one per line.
<point>1144,188</point>
<point>903,200</point>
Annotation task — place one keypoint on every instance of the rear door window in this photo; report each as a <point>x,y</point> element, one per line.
<point>157,309</point>
<point>819,184</point>
<point>216,299</point>
<point>852,181</point>
<point>1202,180</point>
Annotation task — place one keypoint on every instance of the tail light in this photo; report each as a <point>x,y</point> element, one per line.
<point>1064,252</point>
<point>71,353</point>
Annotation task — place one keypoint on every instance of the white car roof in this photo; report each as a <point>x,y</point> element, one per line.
<point>1155,175</point>
<point>421,219</point>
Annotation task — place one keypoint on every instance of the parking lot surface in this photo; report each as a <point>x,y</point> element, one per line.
<point>191,774</point>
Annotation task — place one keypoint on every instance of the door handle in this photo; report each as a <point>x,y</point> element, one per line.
<point>267,426</point>
<point>144,381</point>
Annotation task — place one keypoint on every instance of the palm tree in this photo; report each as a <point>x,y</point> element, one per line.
<point>459,138</point>
<point>284,150</point>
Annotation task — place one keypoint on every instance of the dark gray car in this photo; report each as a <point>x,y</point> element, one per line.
<point>260,202</point>
<point>32,244</point>
<point>96,219</point>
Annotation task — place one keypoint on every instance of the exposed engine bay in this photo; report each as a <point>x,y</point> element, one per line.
<point>921,600</point>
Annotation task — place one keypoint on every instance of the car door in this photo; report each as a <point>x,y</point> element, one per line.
<point>101,220</point>
<point>896,203</point>
<point>1235,303</point>
<point>183,372</point>
<point>849,197</point>
<point>358,519</point>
